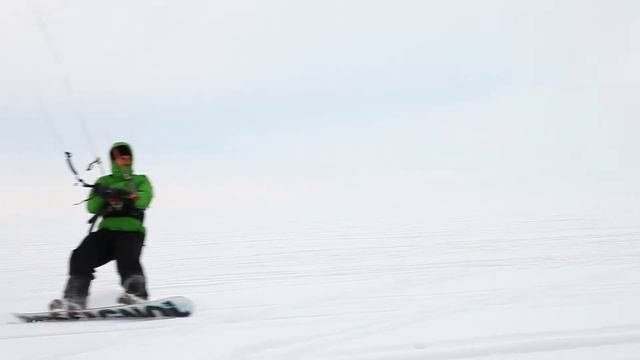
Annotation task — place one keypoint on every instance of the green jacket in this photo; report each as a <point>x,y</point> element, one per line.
<point>122,177</point>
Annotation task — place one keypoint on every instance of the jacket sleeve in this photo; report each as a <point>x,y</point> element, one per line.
<point>144,192</point>
<point>95,203</point>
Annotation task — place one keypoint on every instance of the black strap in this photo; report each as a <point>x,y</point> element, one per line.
<point>94,218</point>
<point>109,212</point>
<point>133,213</point>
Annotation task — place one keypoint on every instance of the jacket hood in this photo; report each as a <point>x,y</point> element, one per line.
<point>117,170</point>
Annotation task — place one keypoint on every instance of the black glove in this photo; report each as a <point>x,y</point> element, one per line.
<point>100,190</point>
<point>109,193</point>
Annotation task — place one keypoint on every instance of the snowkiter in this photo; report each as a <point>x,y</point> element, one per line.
<point>121,199</point>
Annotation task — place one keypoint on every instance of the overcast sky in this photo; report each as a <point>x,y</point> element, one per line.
<point>380,107</point>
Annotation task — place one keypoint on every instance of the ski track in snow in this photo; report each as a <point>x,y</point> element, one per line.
<point>463,348</point>
<point>559,287</point>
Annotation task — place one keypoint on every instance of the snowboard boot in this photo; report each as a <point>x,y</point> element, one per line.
<point>64,305</point>
<point>75,294</point>
<point>129,299</point>
<point>135,290</point>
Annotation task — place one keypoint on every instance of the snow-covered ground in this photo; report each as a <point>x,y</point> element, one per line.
<point>537,288</point>
<point>334,180</point>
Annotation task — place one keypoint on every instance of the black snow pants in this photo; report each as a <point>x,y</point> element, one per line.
<point>103,246</point>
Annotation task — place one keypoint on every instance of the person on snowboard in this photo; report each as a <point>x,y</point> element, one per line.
<point>121,199</point>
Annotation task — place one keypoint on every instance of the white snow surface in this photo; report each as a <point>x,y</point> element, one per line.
<point>527,289</point>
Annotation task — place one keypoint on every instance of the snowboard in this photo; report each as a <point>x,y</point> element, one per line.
<point>170,307</point>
